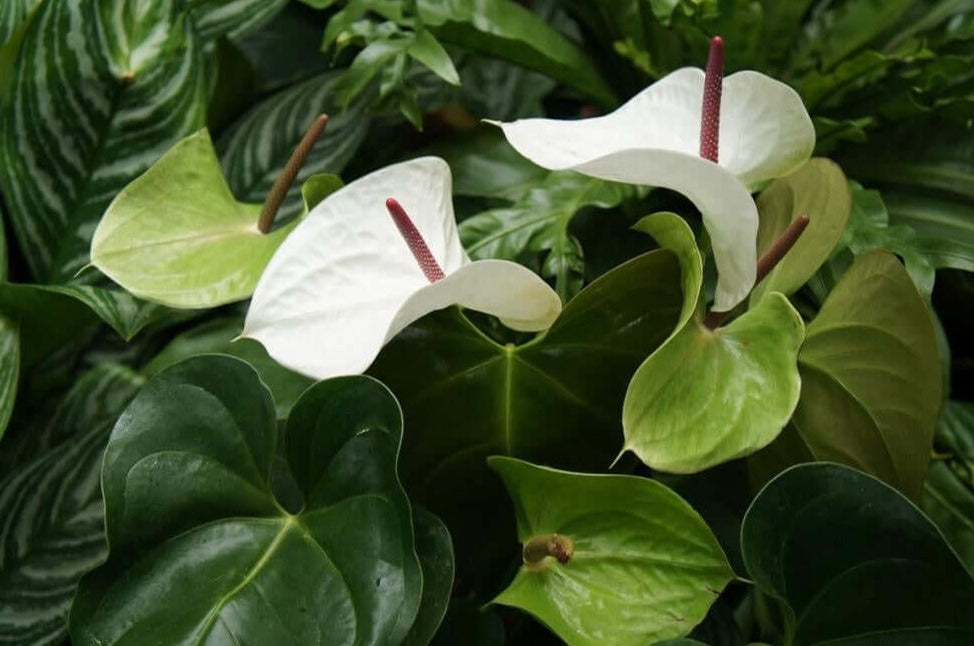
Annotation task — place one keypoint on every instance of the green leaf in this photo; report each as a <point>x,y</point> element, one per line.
<point>871,379</point>
<point>538,225</point>
<point>256,148</point>
<point>429,52</point>
<point>948,492</point>
<point>643,565</point>
<point>232,18</point>
<point>12,15</point>
<point>9,369</point>
<point>435,551</point>
<point>220,337</point>
<point>177,236</point>
<point>213,556</point>
<point>708,396</point>
<point>554,399</point>
<point>819,190</point>
<point>853,560</point>
<point>78,123</point>
<point>53,530</point>
<point>50,315</point>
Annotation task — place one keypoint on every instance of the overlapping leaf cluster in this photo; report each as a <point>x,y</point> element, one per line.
<point>799,474</point>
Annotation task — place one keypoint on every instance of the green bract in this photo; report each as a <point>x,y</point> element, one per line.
<point>854,562</point>
<point>708,396</point>
<point>644,566</point>
<point>214,555</point>
<point>177,236</point>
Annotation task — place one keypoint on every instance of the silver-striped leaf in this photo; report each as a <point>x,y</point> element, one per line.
<point>100,89</point>
<point>51,512</point>
<point>12,15</point>
<point>9,369</point>
<point>256,148</point>
<point>233,18</point>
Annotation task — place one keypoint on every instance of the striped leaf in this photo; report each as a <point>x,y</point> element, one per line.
<point>233,18</point>
<point>51,512</point>
<point>100,90</point>
<point>9,369</point>
<point>12,15</point>
<point>256,148</point>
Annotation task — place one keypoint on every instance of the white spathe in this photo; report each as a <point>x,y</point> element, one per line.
<point>654,139</point>
<point>344,282</point>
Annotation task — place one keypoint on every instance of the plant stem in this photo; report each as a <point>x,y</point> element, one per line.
<point>767,262</point>
<point>290,172</point>
<point>540,547</point>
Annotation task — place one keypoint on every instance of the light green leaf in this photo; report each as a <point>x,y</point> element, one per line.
<point>538,225</point>
<point>854,562</point>
<point>212,555</point>
<point>871,379</point>
<point>9,369</point>
<point>232,18</point>
<point>428,51</point>
<point>177,236</point>
<point>435,551</point>
<point>948,492</point>
<point>255,149</point>
<point>673,233</point>
<point>643,566</point>
<point>53,526</point>
<point>819,190</point>
<point>708,396</point>
<point>126,89</point>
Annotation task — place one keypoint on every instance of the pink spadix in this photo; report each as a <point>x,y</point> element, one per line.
<point>710,113</point>
<point>414,240</point>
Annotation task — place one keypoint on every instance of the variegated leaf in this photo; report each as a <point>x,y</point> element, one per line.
<point>9,369</point>
<point>233,18</point>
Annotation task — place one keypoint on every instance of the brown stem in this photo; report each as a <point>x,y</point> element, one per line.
<point>540,547</point>
<point>290,172</point>
<point>767,262</point>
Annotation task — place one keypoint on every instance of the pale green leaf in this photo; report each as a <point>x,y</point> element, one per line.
<point>644,565</point>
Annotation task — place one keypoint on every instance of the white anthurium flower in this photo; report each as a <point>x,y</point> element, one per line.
<point>668,136</point>
<point>358,270</point>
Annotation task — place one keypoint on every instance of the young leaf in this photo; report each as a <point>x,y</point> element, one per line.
<point>9,369</point>
<point>820,191</point>
<point>70,141</point>
<point>871,380</point>
<point>641,565</point>
<point>177,236</point>
<point>214,555</point>
<point>53,530</point>
<point>854,562</point>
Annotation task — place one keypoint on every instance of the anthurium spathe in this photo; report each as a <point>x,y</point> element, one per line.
<point>711,139</point>
<point>372,258</point>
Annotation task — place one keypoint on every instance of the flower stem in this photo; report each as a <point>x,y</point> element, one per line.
<point>767,262</point>
<point>290,172</point>
<point>540,547</point>
<point>414,240</point>
<point>710,112</point>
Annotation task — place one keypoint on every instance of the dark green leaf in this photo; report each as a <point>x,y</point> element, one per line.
<point>212,555</point>
<point>232,18</point>
<point>435,550</point>
<point>9,369</point>
<point>853,560</point>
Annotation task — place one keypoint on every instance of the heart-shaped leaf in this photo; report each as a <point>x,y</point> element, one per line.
<point>635,562</point>
<point>53,528</point>
<point>948,492</point>
<point>871,380</point>
<point>819,190</point>
<point>554,399</point>
<point>177,236</point>
<point>9,369</point>
<point>200,547</point>
<point>435,551</point>
<point>708,396</point>
<point>854,562</point>
<point>125,91</point>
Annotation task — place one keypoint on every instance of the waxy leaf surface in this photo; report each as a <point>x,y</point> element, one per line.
<point>212,555</point>
<point>645,565</point>
<point>854,562</point>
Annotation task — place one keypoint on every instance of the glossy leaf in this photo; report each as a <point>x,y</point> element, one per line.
<point>644,566</point>
<point>871,380</point>
<point>435,551</point>
<point>948,492</point>
<point>52,530</point>
<point>343,569</point>
<point>554,400</point>
<point>177,236</point>
<point>819,190</point>
<point>854,562</point>
<point>538,225</point>
<point>124,93</point>
<point>9,369</point>
<point>255,149</point>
